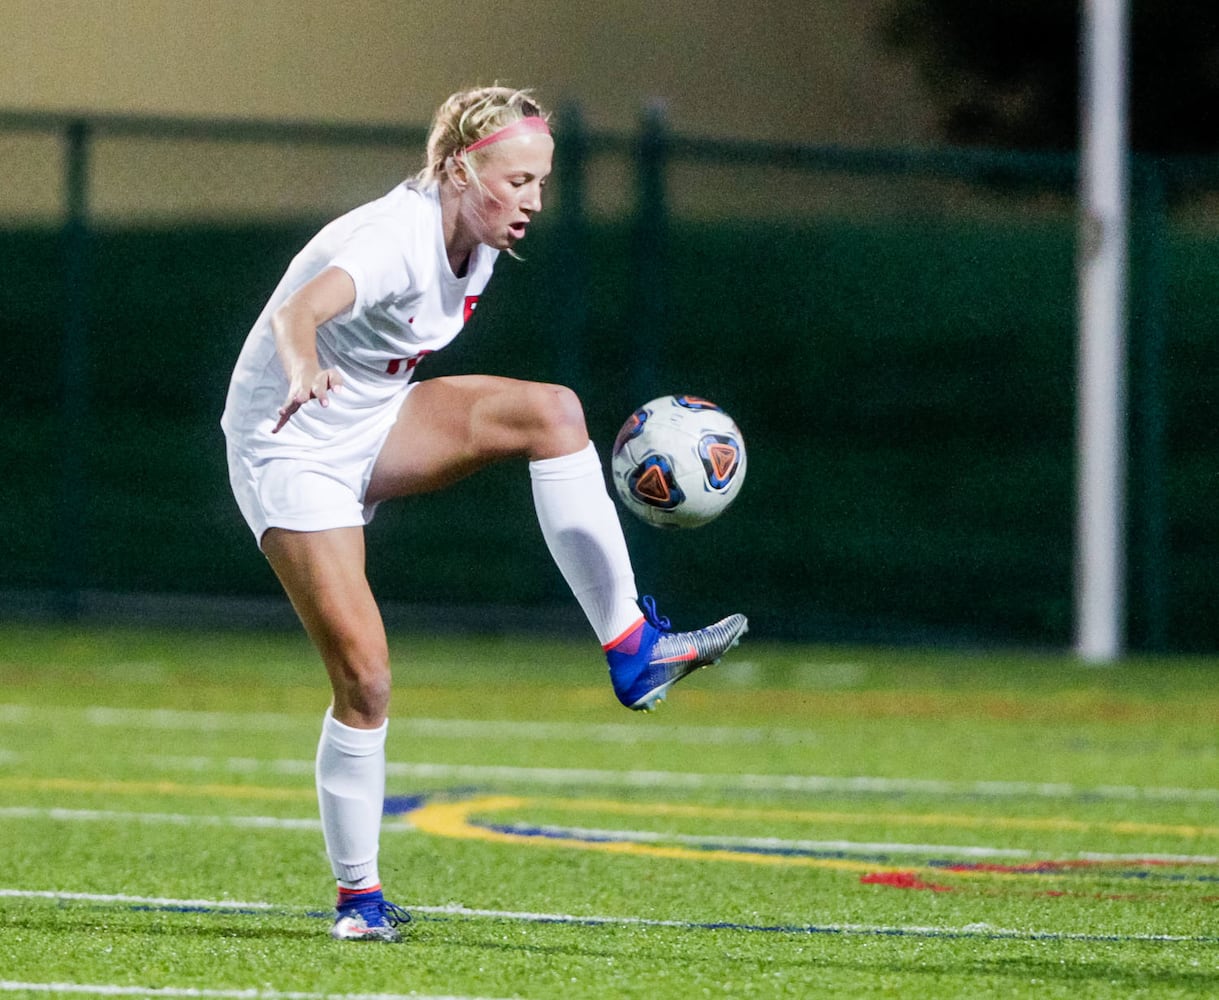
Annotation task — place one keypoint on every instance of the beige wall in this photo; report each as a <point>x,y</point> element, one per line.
<point>805,70</point>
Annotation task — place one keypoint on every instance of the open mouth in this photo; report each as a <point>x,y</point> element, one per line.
<point>517,229</point>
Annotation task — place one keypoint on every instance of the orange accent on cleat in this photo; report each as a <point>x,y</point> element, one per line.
<point>686,657</point>
<point>635,630</point>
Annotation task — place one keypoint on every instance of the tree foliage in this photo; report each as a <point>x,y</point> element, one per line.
<point>1006,73</point>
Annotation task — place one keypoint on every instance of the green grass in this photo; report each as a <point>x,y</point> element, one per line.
<point>798,822</point>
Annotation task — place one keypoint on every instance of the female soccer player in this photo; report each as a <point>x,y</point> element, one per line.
<point>324,422</point>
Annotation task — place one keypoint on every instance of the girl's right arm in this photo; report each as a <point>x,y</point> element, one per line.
<point>295,323</point>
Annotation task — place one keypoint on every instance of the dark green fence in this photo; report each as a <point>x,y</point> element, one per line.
<point>893,330</point>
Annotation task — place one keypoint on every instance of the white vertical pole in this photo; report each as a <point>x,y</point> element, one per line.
<point>1100,544</point>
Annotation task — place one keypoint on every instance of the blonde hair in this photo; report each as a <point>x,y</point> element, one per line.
<point>470,115</point>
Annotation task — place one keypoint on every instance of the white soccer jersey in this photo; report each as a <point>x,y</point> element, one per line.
<point>313,474</point>
<point>408,303</point>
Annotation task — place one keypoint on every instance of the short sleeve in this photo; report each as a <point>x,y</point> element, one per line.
<point>373,256</point>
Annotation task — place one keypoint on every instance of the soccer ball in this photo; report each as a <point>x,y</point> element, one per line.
<point>678,462</point>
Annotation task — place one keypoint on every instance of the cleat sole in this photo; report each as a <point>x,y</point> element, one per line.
<point>387,935</point>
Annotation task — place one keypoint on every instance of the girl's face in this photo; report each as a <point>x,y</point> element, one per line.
<point>513,173</point>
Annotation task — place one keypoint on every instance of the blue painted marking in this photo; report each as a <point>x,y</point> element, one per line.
<point>398,805</point>
<point>557,833</point>
<point>401,805</point>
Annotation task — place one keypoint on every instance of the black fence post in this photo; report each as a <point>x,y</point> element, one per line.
<point>571,319</point>
<point>651,237</point>
<point>646,330</point>
<point>74,431</point>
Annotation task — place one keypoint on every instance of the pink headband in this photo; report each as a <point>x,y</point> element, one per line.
<point>522,126</point>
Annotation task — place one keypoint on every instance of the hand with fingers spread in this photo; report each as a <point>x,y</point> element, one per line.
<point>294,325</point>
<point>308,382</point>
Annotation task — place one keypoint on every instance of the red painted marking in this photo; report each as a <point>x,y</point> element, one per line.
<point>903,880</point>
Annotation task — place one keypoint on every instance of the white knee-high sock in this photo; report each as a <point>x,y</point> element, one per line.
<point>582,531</point>
<point>351,795</point>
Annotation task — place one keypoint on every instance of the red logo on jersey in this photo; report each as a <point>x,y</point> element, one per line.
<point>471,305</point>
<point>396,365</point>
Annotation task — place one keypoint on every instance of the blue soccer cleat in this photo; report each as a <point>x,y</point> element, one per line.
<point>365,915</point>
<point>650,658</point>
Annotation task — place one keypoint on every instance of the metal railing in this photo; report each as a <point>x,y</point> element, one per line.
<point>653,153</point>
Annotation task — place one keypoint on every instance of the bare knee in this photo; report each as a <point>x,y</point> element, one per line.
<point>558,418</point>
<point>360,677</point>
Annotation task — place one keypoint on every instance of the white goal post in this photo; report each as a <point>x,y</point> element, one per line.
<point>1100,565</point>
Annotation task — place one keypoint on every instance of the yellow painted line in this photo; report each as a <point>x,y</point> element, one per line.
<point>452,819</point>
<point>84,785</point>
<point>1055,823</point>
<point>456,820</point>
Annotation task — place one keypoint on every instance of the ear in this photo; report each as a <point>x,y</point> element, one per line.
<point>455,170</point>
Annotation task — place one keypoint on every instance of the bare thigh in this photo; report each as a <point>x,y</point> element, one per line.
<point>451,427</point>
<point>322,573</point>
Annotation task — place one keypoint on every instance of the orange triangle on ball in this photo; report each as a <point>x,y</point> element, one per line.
<point>653,485</point>
<point>723,459</point>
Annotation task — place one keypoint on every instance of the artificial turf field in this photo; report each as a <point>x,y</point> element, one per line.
<point>797,822</point>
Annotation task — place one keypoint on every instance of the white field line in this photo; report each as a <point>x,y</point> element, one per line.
<point>977,930</point>
<point>801,783</point>
<point>396,824</point>
<point>980,930</point>
<point>805,783</point>
<point>454,729</point>
<point>119,897</point>
<point>399,824</point>
<point>112,990</point>
<point>472,729</point>
<point>175,819</point>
